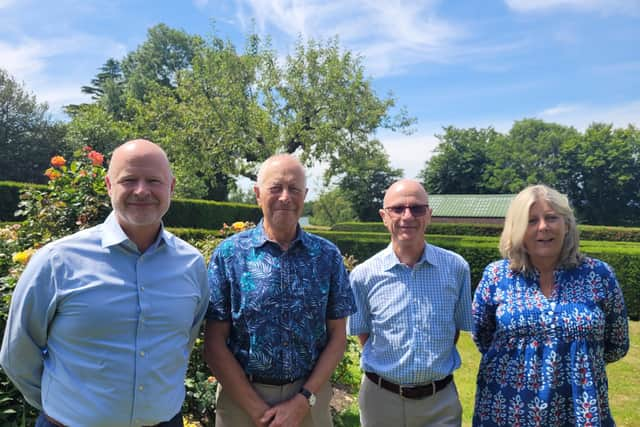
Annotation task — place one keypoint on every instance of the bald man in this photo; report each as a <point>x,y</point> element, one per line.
<point>276,325</point>
<point>102,322</point>
<point>413,298</point>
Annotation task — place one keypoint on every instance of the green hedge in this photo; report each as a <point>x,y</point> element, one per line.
<point>624,257</point>
<point>182,213</point>
<point>587,232</point>
<point>208,214</point>
<point>10,196</point>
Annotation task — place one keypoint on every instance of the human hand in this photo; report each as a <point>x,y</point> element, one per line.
<point>287,414</point>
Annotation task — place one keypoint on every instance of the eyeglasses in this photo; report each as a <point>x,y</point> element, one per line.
<point>416,210</point>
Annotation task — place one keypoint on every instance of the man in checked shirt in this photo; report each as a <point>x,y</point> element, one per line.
<point>413,299</point>
<point>276,324</point>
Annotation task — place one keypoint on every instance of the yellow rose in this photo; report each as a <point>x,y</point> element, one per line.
<point>24,256</point>
<point>238,225</point>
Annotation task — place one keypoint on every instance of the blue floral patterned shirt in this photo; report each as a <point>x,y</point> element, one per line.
<point>278,301</point>
<point>543,359</point>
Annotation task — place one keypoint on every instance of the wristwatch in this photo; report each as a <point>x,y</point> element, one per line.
<point>311,398</point>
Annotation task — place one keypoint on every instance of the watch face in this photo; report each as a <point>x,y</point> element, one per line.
<point>312,399</point>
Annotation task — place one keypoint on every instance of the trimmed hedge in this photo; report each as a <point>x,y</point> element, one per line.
<point>624,257</point>
<point>10,197</point>
<point>587,232</point>
<point>209,214</point>
<point>182,213</point>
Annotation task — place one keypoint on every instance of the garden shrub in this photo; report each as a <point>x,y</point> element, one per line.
<point>208,214</point>
<point>10,197</point>
<point>587,232</point>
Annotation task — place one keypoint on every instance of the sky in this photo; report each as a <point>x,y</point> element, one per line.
<point>450,63</point>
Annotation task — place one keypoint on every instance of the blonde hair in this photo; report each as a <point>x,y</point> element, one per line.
<point>516,222</point>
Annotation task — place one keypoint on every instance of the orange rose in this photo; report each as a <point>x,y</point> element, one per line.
<point>58,161</point>
<point>96,158</point>
<point>52,174</point>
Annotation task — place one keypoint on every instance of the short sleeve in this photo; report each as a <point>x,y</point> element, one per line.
<point>219,283</point>
<point>360,321</point>
<point>341,302</point>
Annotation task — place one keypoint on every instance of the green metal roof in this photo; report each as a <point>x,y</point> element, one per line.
<point>470,205</point>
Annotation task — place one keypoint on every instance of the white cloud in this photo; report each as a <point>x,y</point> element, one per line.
<point>581,116</point>
<point>31,61</point>
<point>392,35</point>
<point>559,110</point>
<point>25,59</point>
<point>201,4</point>
<point>410,152</point>
<point>6,3</point>
<point>607,7</point>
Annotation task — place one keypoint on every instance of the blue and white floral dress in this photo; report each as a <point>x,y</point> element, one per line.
<point>543,359</point>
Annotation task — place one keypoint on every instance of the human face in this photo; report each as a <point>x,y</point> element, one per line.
<point>281,195</point>
<point>406,228</point>
<point>140,185</point>
<point>544,236</point>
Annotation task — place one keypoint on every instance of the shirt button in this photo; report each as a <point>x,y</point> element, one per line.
<point>142,288</point>
<point>142,353</point>
<point>141,388</point>
<point>285,343</point>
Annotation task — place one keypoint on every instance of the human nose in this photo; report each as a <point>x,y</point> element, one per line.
<point>406,212</point>
<point>140,188</point>
<point>285,195</point>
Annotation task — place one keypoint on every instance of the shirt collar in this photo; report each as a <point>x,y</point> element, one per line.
<point>390,259</point>
<point>259,236</point>
<point>113,234</point>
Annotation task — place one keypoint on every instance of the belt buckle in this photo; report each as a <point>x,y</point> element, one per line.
<point>401,390</point>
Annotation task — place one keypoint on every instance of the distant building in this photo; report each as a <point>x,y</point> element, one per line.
<point>470,208</point>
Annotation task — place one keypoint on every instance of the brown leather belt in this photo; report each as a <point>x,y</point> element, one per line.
<point>410,392</point>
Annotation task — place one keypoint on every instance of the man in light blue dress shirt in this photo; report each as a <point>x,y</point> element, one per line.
<point>413,298</point>
<point>102,322</point>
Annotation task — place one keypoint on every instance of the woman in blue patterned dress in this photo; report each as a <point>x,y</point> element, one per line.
<point>546,320</point>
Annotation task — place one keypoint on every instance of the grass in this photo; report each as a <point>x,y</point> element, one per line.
<point>624,384</point>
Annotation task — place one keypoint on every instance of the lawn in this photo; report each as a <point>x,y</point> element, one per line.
<point>624,383</point>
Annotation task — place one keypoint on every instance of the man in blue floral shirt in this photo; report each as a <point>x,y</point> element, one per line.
<point>276,324</point>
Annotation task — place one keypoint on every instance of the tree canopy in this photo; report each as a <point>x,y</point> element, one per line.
<point>218,111</point>
<point>28,137</point>
<point>598,169</point>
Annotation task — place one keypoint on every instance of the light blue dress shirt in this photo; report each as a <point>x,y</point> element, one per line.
<point>411,314</point>
<point>100,334</point>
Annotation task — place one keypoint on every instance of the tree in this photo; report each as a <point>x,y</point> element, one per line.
<point>365,178</point>
<point>28,136</point>
<point>606,175</point>
<point>332,206</point>
<point>323,104</point>
<point>219,112</point>
<point>533,152</point>
<point>460,161</point>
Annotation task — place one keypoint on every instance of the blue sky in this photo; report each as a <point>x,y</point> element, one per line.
<point>462,63</point>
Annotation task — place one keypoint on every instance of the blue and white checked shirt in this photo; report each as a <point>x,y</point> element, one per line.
<point>99,334</point>
<point>411,314</point>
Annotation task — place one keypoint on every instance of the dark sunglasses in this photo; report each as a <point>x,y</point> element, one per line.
<point>416,210</point>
